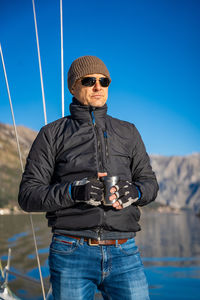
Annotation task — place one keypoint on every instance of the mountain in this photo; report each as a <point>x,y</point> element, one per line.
<point>10,168</point>
<point>178,176</point>
<point>179,180</point>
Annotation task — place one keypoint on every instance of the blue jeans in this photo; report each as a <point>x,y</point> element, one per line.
<point>78,270</point>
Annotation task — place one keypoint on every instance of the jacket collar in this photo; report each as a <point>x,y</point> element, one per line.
<point>84,113</point>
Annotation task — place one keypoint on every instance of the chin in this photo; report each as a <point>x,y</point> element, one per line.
<point>97,103</point>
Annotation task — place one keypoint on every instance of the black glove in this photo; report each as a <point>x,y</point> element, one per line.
<point>89,190</point>
<point>127,193</point>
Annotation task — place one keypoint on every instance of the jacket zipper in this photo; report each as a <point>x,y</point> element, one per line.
<point>99,232</point>
<point>99,152</point>
<point>99,158</point>
<point>106,143</point>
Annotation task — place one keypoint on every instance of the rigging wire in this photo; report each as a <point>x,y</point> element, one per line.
<point>40,65</point>
<point>45,115</point>
<point>22,168</point>
<point>62,59</point>
<point>12,112</point>
<point>24,277</point>
<point>7,268</point>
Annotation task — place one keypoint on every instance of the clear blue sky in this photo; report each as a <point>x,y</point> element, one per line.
<point>151,48</point>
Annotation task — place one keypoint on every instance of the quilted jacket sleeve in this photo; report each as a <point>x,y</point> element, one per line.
<point>37,193</point>
<point>142,173</point>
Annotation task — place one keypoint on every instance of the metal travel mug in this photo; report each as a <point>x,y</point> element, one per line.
<point>108,182</point>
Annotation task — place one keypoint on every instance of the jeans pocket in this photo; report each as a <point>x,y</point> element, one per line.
<point>63,245</point>
<point>129,248</point>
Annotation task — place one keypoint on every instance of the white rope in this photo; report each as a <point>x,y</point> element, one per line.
<point>62,59</point>
<point>11,107</point>
<point>22,168</point>
<point>7,268</point>
<point>40,66</point>
<point>37,256</point>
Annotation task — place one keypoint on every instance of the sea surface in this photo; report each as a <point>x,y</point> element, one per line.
<point>169,244</point>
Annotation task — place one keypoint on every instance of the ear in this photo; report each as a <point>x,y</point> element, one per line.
<point>73,88</point>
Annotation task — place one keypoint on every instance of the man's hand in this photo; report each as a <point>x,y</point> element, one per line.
<point>125,194</point>
<point>88,190</point>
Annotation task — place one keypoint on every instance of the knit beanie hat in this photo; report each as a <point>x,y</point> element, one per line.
<point>85,65</point>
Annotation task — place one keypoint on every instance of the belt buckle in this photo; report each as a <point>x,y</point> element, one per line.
<point>90,243</point>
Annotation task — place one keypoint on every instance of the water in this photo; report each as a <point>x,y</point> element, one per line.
<point>169,246</point>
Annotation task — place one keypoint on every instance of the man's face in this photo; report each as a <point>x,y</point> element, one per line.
<point>95,95</point>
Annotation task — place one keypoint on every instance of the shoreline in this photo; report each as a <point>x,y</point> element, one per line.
<point>161,209</point>
<point>15,211</point>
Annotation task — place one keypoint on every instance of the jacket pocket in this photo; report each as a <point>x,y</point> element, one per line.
<point>77,218</point>
<point>125,219</point>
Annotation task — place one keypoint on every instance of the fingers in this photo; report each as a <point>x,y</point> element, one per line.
<point>112,197</point>
<point>117,205</point>
<point>113,190</point>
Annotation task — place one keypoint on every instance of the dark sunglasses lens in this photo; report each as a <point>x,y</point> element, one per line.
<point>88,81</point>
<point>104,81</point>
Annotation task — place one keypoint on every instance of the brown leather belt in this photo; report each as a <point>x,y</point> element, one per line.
<point>93,242</point>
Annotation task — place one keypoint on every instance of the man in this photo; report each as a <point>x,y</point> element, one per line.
<point>93,244</point>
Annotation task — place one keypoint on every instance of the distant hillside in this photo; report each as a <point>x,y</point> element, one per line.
<point>179,180</point>
<point>10,169</point>
<point>178,176</point>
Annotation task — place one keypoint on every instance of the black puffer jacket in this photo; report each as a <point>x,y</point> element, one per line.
<point>81,145</point>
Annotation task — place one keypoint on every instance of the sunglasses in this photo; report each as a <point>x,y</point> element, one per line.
<point>90,81</point>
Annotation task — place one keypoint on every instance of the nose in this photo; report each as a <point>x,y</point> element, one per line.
<point>97,85</point>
